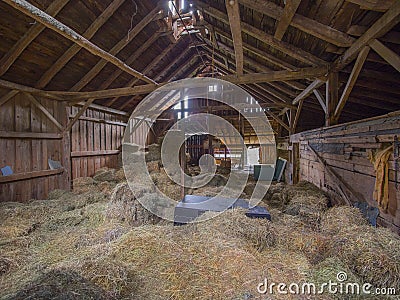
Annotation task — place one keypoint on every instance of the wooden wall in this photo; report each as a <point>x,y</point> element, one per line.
<point>344,149</point>
<point>96,140</point>
<point>28,138</point>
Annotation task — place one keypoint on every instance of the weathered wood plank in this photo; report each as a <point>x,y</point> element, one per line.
<point>387,54</point>
<point>232,7</point>
<point>29,135</point>
<point>288,13</point>
<point>30,175</point>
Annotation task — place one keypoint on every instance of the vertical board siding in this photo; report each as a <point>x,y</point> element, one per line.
<point>344,149</point>
<point>93,132</point>
<point>30,155</point>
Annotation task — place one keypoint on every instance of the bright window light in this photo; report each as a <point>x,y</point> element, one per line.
<point>186,114</point>
<point>178,105</point>
<point>179,115</point>
<point>182,4</point>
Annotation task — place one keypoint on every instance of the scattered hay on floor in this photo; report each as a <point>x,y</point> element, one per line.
<point>105,175</point>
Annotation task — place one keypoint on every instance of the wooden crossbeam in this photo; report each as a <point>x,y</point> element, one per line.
<point>44,111</point>
<point>387,54</point>
<point>309,90</point>
<point>390,37</point>
<point>51,23</point>
<point>232,7</point>
<point>289,11</point>
<point>277,75</point>
<point>259,34</point>
<point>376,5</point>
<point>277,119</point>
<point>10,57</point>
<point>74,49</point>
<point>78,115</point>
<point>362,56</point>
<point>302,23</point>
<point>379,28</point>
<point>8,96</point>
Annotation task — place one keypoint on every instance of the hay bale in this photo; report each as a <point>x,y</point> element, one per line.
<point>120,175</point>
<point>105,174</point>
<point>125,207</point>
<point>56,194</point>
<point>339,217</point>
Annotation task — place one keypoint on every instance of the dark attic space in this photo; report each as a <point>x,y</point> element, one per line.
<point>199,149</point>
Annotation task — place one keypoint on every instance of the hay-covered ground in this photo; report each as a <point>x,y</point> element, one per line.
<point>98,243</point>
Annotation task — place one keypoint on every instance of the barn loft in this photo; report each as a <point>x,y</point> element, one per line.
<point>309,88</point>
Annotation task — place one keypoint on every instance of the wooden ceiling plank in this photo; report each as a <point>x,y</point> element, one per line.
<point>51,23</point>
<point>387,54</point>
<point>302,23</point>
<point>232,7</point>
<point>11,56</point>
<point>289,11</point>
<point>362,56</point>
<point>379,28</point>
<point>74,49</point>
<point>286,48</point>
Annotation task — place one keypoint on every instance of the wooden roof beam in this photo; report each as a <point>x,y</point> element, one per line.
<point>232,7</point>
<point>289,49</point>
<point>302,23</point>
<point>74,49</point>
<point>11,56</point>
<point>387,54</point>
<point>379,28</point>
<point>289,11</point>
<point>51,23</point>
<point>362,56</point>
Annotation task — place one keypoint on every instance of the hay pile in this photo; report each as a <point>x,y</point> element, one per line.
<point>97,245</point>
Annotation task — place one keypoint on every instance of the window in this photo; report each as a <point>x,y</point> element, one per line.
<point>212,88</point>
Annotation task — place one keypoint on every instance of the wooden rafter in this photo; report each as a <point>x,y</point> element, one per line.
<point>148,68</point>
<point>287,16</point>
<point>379,28</point>
<point>362,56</point>
<point>51,23</point>
<point>232,7</point>
<point>387,54</point>
<point>9,58</point>
<point>277,119</point>
<point>259,34</point>
<point>302,23</point>
<point>116,49</point>
<point>297,116</point>
<point>74,49</point>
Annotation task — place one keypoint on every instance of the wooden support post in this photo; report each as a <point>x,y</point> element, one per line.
<point>387,54</point>
<point>297,116</point>
<point>287,16</point>
<point>232,7</point>
<point>332,98</point>
<point>362,56</point>
<point>51,23</point>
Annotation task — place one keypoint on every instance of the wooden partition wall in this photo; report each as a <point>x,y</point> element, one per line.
<point>32,131</point>
<point>343,150</point>
<point>96,140</point>
<point>28,138</point>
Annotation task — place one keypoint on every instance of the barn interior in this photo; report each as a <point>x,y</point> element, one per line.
<point>98,97</point>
